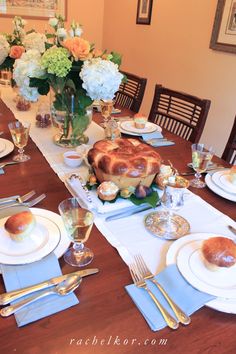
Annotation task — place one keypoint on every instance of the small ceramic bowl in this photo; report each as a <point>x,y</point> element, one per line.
<point>72,158</point>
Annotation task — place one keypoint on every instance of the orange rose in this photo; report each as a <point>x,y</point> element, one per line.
<point>97,53</point>
<point>79,47</point>
<point>16,51</point>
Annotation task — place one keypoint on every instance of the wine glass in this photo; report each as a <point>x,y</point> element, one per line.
<point>20,134</point>
<point>78,223</point>
<point>201,156</point>
<point>106,110</point>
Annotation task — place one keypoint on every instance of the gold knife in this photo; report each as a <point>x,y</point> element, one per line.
<point>6,298</point>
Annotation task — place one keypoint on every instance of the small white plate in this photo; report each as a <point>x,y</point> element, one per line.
<point>222,179</point>
<point>219,304</point>
<point>219,191</point>
<point>129,126</point>
<point>9,147</point>
<point>48,235</point>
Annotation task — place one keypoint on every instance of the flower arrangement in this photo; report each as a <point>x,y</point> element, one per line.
<point>63,61</point>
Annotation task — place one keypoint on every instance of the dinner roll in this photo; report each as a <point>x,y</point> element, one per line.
<point>219,253</point>
<point>20,225</point>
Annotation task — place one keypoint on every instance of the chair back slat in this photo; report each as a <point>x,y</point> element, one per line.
<point>229,153</point>
<point>180,113</point>
<point>131,92</point>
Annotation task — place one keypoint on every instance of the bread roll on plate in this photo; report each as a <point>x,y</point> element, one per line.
<point>219,253</point>
<point>20,225</point>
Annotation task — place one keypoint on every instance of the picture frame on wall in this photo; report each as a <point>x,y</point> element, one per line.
<point>223,36</point>
<point>144,12</point>
<point>43,9</point>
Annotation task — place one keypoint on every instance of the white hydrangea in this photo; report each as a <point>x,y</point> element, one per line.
<point>101,78</point>
<point>53,22</point>
<point>4,48</point>
<point>61,32</point>
<point>35,40</point>
<point>24,68</point>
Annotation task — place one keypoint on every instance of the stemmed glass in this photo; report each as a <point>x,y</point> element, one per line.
<point>106,110</point>
<point>78,223</point>
<point>20,134</point>
<point>172,200</point>
<point>201,156</point>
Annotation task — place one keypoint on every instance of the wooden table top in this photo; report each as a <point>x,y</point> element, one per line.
<point>106,320</point>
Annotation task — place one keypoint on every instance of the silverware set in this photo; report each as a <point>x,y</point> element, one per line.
<point>61,285</point>
<point>140,274</point>
<point>17,200</point>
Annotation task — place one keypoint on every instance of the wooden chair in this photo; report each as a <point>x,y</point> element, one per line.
<point>131,92</point>
<point>180,113</point>
<point>229,153</point>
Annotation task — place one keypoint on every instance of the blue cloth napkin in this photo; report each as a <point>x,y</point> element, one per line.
<point>156,139</point>
<point>187,298</point>
<point>154,135</point>
<point>20,276</point>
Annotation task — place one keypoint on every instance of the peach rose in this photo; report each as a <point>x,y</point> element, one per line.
<point>79,47</point>
<point>16,51</point>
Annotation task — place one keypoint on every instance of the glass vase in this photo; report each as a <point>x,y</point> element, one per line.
<point>71,127</point>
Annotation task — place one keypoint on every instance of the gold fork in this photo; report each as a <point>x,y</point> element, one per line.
<point>145,272</point>
<point>140,283</point>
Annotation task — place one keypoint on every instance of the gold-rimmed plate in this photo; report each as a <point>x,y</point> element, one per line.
<point>129,126</point>
<point>6,146</point>
<point>48,235</point>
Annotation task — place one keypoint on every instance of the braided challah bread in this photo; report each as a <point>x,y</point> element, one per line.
<point>126,162</point>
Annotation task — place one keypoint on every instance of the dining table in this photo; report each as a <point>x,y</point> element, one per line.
<point>106,319</point>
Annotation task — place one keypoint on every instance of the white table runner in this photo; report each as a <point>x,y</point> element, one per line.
<point>127,235</point>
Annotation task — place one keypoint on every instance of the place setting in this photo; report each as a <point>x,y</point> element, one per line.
<point>223,183</point>
<point>32,241</point>
<point>139,126</point>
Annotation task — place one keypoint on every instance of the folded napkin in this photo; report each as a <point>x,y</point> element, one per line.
<point>90,200</point>
<point>187,298</point>
<point>20,276</point>
<point>154,135</point>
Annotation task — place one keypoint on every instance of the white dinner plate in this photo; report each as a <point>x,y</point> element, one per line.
<point>222,180</point>
<point>219,304</point>
<point>2,145</point>
<point>191,264</point>
<point>216,189</point>
<point>8,147</point>
<point>48,235</point>
<point>129,126</point>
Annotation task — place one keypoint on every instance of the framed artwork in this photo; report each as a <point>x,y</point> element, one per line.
<point>144,12</point>
<point>224,29</point>
<point>41,9</point>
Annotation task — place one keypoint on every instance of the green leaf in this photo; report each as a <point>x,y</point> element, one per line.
<point>116,58</point>
<point>41,84</point>
<point>152,199</point>
<point>7,64</point>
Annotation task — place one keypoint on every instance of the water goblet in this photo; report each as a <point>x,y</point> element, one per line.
<point>78,223</point>
<point>20,134</point>
<point>106,110</point>
<point>201,156</point>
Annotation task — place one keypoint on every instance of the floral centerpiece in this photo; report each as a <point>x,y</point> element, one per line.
<point>64,62</point>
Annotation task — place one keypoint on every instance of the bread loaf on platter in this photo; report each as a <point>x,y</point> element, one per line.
<point>126,162</point>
